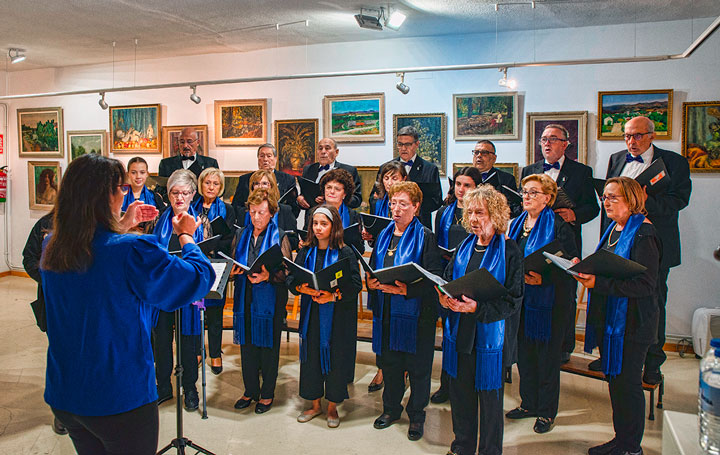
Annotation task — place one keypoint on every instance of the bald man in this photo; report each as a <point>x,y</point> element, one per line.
<point>327,152</point>
<point>188,158</point>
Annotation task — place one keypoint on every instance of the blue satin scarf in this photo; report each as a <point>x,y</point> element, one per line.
<point>382,207</point>
<point>616,307</point>
<point>147,196</point>
<point>539,300</point>
<point>344,215</point>
<point>404,312</point>
<point>446,220</point>
<point>262,305</point>
<point>325,313</point>
<point>217,209</point>
<point>190,323</point>
<point>489,338</point>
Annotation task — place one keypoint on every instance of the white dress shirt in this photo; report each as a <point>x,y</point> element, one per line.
<point>407,166</point>
<point>635,168</point>
<point>187,163</point>
<point>554,173</point>
<point>333,165</point>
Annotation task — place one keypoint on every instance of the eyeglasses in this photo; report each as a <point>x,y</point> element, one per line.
<point>552,140</point>
<point>178,194</point>
<point>483,153</point>
<point>404,144</point>
<point>612,198</point>
<point>186,141</point>
<point>125,188</point>
<point>531,194</point>
<point>636,136</point>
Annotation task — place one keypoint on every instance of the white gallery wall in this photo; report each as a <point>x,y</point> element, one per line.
<point>542,89</point>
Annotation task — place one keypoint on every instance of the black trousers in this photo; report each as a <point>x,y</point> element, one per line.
<point>164,360</point>
<point>349,339</point>
<point>133,432</point>
<point>655,355</point>
<point>419,368</point>
<point>628,399</point>
<point>256,361</point>
<point>464,401</point>
<point>569,339</point>
<point>214,323</point>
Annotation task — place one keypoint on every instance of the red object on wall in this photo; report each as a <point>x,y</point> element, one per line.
<point>2,144</point>
<point>3,183</point>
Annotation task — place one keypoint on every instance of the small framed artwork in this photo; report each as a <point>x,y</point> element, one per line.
<point>241,122</point>
<point>616,108</point>
<point>701,135</point>
<point>136,129</point>
<point>296,143</point>
<point>575,122</point>
<point>354,118</point>
<point>432,129</point>
<point>492,116</point>
<point>43,182</point>
<point>88,141</point>
<point>510,168</point>
<point>231,182</point>
<point>368,176</point>
<point>40,132</point>
<point>171,134</point>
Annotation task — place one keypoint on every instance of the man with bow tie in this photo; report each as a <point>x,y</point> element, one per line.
<point>327,153</point>
<point>484,157</point>
<point>662,211</point>
<point>576,181</point>
<point>188,158</point>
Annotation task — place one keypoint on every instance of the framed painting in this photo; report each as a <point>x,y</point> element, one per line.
<point>510,168</point>
<point>432,129</point>
<point>40,132</point>
<point>492,116</point>
<point>43,181</point>
<point>88,141</point>
<point>241,122</point>
<point>701,135</point>
<point>136,129</point>
<point>231,182</point>
<point>296,143</point>
<point>616,108</point>
<point>368,175</point>
<point>354,118</point>
<point>576,124</point>
<point>170,135</point>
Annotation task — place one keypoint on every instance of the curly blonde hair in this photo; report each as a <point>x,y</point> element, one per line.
<point>495,203</point>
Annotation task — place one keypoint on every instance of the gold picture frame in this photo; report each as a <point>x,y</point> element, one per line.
<point>40,132</point>
<point>42,194</point>
<point>617,107</point>
<point>86,141</point>
<point>354,118</point>
<point>241,122</point>
<point>170,135</point>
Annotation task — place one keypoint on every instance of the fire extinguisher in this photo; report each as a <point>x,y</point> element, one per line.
<point>3,183</point>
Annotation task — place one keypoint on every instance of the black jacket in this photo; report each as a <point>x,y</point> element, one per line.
<point>285,182</point>
<point>173,163</point>
<point>662,208</point>
<point>311,172</point>
<point>503,178</point>
<point>31,262</point>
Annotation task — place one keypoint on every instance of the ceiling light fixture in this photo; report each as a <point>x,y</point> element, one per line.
<point>370,22</point>
<point>404,89</point>
<point>102,102</point>
<point>193,97</point>
<point>16,55</point>
<point>510,84</point>
<point>395,21</point>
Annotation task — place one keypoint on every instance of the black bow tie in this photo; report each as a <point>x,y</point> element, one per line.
<point>188,158</point>
<point>629,158</point>
<point>324,168</point>
<point>548,166</point>
<point>409,163</point>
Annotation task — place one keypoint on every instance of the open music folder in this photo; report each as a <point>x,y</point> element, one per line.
<point>327,279</point>
<point>602,262</point>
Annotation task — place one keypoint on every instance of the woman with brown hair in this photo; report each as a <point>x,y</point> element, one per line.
<point>284,217</point>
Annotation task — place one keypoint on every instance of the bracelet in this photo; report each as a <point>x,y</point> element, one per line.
<point>185,233</point>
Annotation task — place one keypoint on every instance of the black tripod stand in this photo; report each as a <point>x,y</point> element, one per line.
<point>180,442</point>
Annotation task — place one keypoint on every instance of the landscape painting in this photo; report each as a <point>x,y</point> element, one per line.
<point>40,132</point>
<point>241,122</point>
<point>83,142</point>
<point>296,141</point>
<point>432,136</point>
<point>616,108</point>
<point>355,118</point>
<point>486,116</point>
<point>135,129</point>
<point>701,135</point>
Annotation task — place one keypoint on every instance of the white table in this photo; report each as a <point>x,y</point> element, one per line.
<point>680,434</point>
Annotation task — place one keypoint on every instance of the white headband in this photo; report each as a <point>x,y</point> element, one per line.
<point>325,211</point>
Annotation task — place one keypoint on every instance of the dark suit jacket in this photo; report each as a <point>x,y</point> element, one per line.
<point>503,178</point>
<point>577,181</point>
<point>662,208</point>
<point>311,171</point>
<point>285,182</point>
<point>173,163</point>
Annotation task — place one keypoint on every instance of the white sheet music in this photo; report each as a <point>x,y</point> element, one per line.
<point>219,268</point>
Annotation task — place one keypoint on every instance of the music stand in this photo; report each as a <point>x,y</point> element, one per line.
<point>222,274</point>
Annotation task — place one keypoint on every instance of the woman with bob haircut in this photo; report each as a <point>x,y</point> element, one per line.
<point>99,302</point>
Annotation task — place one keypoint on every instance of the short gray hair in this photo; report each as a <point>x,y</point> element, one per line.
<point>558,126</point>
<point>182,177</point>
<point>409,131</point>
<point>267,145</point>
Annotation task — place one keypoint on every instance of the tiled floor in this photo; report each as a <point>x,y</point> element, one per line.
<point>584,418</point>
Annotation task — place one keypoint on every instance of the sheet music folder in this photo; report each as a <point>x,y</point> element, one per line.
<point>207,246</point>
<point>537,262</point>
<point>219,226</point>
<point>411,274</point>
<point>327,279</point>
<point>516,196</point>
<point>375,224</point>
<point>271,258</point>
<point>310,190</point>
<point>602,262</point>
<point>655,179</point>
<point>478,285</point>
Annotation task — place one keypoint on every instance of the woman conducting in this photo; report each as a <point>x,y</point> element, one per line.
<point>323,344</point>
<point>548,299</point>
<point>623,313</point>
<point>473,335</point>
<point>99,303</point>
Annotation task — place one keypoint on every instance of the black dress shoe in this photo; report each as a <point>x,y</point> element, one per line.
<point>58,427</point>
<point>627,452</point>
<point>415,432</point>
<point>603,449</point>
<point>520,413</point>
<point>216,370</point>
<point>191,400</point>
<point>565,357</point>
<point>595,365</point>
<point>543,425</point>
<point>384,421</point>
<point>375,387</point>
<point>242,403</point>
<point>652,377</point>
<point>164,395</point>
<point>441,396</point>
<point>262,408</point>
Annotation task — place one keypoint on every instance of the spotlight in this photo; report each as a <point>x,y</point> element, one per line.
<point>193,97</point>
<point>16,55</point>
<point>102,102</point>
<point>395,20</point>
<point>510,84</point>
<point>404,89</point>
<point>369,22</point>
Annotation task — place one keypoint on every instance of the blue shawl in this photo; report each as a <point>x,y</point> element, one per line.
<point>325,313</point>
<point>404,312</point>
<point>344,215</point>
<point>446,220</point>
<point>616,307</point>
<point>489,338</point>
<point>262,305</point>
<point>146,195</point>
<point>217,209</point>
<point>539,300</point>
<point>382,206</point>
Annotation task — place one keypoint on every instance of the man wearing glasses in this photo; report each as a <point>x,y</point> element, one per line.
<point>188,158</point>
<point>327,152</point>
<point>662,210</point>
<point>484,157</point>
<point>576,181</point>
